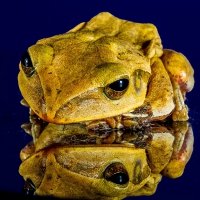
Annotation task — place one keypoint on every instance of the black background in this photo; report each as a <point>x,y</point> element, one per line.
<point>22,23</point>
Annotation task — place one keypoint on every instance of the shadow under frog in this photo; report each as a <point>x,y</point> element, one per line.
<point>107,111</point>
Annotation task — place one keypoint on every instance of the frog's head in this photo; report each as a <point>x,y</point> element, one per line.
<point>87,73</point>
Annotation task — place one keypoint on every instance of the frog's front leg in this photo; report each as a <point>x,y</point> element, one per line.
<point>181,75</point>
<point>160,91</point>
<point>180,112</point>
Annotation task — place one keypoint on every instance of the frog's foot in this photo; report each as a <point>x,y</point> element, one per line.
<point>160,91</point>
<point>35,126</point>
<point>180,112</point>
<point>130,120</point>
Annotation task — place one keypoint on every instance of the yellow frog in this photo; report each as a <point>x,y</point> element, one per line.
<point>105,75</point>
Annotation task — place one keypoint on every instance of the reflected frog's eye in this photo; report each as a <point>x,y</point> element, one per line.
<point>29,188</point>
<point>116,89</point>
<point>27,64</point>
<point>116,173</point>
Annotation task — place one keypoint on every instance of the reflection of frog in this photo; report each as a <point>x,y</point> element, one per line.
<point>104,166</point>
<point>107,74</point>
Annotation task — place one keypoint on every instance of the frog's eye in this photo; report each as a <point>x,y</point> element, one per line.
<point>116,89</point>
<point>27,64</point>
<point>116,173</point>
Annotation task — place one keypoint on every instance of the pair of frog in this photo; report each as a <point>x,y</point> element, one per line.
<point>85,89</point>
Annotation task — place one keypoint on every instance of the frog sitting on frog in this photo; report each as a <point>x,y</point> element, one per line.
<point>106,74</point>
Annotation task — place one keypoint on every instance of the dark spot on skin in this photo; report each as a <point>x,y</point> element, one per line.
<point>37,156</point>
<point>146,185</point>
<point>50,108</point>
<point>139,54</point>
<point>58,91</point>
<point>48,91</point>
<point>49,177</point>
<point>40,174</point>
<point>50,73</point>
<point>121,53</point>
<point>50,163</point>
<point>58,177</point>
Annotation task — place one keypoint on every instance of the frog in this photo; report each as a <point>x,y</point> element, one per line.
<point>106,75</point>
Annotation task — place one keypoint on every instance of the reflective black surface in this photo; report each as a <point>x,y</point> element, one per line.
<point>24,22</point>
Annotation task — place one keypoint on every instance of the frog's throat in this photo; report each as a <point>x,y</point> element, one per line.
<point>133,118</point>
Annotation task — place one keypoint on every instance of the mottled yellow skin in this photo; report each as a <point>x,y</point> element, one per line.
<point>68,88</point>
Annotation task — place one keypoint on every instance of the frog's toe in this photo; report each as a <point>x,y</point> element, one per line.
<point>180,115</point>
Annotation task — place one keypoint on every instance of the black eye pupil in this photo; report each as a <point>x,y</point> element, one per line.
<point>27,65</point>
<point>29,188</point>
<point>119,178</point>
<point>119,85</point>
<point>26,60</point>
<point>116,173</point>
